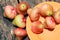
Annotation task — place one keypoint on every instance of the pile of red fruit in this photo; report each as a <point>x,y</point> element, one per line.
<point>43,18</point>
<point>17,15</point>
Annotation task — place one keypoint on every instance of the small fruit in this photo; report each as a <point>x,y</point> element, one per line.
<point>35,14</point>
<point>46,10</point>
<point>10,12</point>
<point>42,20</point>
<point>22,8</point>
<point>57,16</point>
<point>50,22</point>
<point>37,27</point>
<point>19,21</point>
<point>20,32</point>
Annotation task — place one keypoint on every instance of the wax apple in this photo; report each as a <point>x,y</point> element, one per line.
<point>34,15</point>
<point>20,33</point>
<point>50,22</point>
<point>10,12</point>
<point>22,8</point>
<point>37,27</point>
<point>19,21</point>
<point>46,10</point>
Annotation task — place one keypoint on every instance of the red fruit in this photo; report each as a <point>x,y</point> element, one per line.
<point>19,21</point>
<point>42,20</point>
<point>22,8</point>
<point>29,11</point>
<point>37,27</point>
<point>57,16</point>
<point>10,12</point>
<point>35,14</point>
<point>50,22</point>
<point>46,10</point>
<point>20,32</point>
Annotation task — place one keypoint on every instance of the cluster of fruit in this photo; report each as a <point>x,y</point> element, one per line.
<point>17,15</point>
<point>44,17</point>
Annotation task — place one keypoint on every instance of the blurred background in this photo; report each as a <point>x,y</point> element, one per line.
<point>15,2</point>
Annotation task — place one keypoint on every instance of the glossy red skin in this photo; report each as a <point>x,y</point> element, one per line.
<point>44,8</point>
<point>57,16</point>
<point>22,12</point>
<point>50,22</point>
<point>10,12</point>
<point>35,14</point>
<point>36,27</point>
<point>20,32</point>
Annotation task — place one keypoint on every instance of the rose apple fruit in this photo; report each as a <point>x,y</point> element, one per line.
<point>22,8</point>
<point>37,27</point>
<point>57,16</point>
<point>34,15</point>
<point>20,32</point>
<point>10,12</point>
<point>50,22</point>
<point>46,9</point>
<point>19,21</point>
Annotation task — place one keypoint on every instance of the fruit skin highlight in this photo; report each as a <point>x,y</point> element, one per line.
<point>19,21</point>
<point>10,12</point>
<point>50,23</point>
<point>37,27</point>
<point>46,10</point>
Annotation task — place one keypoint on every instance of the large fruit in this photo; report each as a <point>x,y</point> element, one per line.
<point>19,21</point>
<point>37,27</point>
<point>46,9</point>
<point>10,12</point>
<point>50,22</point>
<point>57,16</point>
<point>22,8</point>
<point>20,32</point>
<point>34,15</point>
